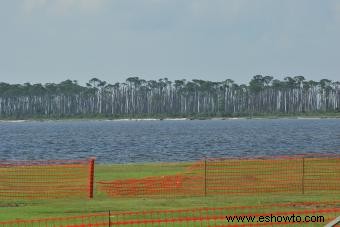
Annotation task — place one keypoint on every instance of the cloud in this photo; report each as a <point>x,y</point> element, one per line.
<point>83,5</point>
<point>31,5</point>
<point>63,6</point>
<point>336,11</point>
<point>178,14</point>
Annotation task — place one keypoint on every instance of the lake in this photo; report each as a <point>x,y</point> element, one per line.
<point>167,140</point>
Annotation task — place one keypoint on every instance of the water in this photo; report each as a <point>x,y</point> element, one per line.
<point>146,141</point>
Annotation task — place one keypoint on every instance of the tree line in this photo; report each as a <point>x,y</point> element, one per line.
<point>138,97</point>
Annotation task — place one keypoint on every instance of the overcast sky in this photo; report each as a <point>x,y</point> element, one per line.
<point>53,40</point>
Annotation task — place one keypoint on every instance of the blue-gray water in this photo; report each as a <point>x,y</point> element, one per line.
<point>145,141</point>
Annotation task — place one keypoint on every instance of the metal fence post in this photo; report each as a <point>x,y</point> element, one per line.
<point>334,222</point>
<point>91,178</point>
<point>109,218</point>
<point>303,176</point>
<point>205,176</point>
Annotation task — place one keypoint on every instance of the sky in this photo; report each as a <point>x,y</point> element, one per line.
<point>53,40</point>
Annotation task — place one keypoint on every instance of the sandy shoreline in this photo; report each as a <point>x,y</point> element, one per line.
<point>175,119</point>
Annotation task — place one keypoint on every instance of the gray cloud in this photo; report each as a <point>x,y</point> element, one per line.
<point>63,6</point>
<point>58,39</point>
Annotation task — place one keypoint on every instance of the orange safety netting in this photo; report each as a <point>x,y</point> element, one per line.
<point>295,174</point>
<point>216,217</point>
<point>46,179</point>
<point>154,186</point>
<point>289,175</point>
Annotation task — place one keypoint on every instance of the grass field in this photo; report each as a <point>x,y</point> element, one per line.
<point>10,210</point>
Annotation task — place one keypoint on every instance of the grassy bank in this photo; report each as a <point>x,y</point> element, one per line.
<point>10,210</point>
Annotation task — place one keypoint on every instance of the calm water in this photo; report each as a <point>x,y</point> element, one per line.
<point>145,141</point>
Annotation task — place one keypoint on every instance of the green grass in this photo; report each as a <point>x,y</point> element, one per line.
<point>69,207</point>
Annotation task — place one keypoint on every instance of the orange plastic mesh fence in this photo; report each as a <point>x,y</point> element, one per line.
<point>45,179</point>
<point>284,175</point>
<point>196,217</point>
<point>295,174</point>
<point>164,186</point>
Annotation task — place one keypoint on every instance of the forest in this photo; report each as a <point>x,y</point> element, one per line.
<point>137,97</point>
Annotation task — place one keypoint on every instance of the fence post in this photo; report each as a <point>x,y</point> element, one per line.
<point>303,176</point>
<point>205,176</point>
<point>91,178</point>
<point>109,218</point>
